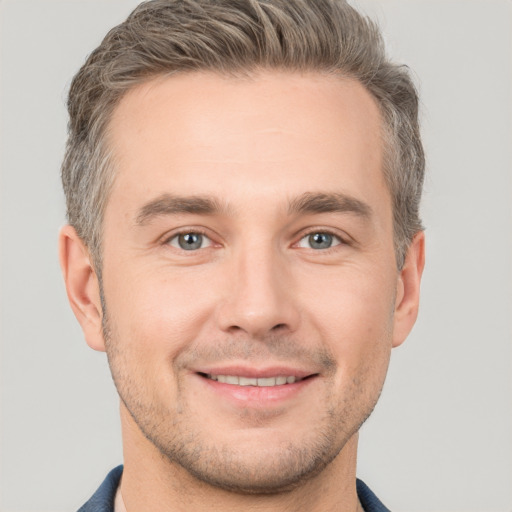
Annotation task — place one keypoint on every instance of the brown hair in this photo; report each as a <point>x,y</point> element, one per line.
<point>162,37</point>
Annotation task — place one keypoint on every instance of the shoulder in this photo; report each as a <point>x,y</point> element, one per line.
<point>103,498</point>
<point>368,500</point>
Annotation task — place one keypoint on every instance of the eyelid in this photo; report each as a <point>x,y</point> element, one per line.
<point>168,237</point>
<point>205,241</point>
<point>342,238</point>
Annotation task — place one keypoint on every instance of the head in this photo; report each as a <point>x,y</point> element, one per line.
<point>243,181</point>
<point>164,38</point>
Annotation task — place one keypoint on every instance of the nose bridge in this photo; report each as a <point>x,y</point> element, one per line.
<point>258,298</point>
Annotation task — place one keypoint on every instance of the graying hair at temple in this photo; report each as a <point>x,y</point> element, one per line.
<point>237,37</point>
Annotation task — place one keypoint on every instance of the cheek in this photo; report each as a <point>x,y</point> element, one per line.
<point>355,317</point>
<point>156,315</point>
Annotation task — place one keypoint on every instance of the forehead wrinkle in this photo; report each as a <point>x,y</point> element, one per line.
<point>168,204</point>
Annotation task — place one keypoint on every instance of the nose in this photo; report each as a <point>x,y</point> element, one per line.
<point>258,295</point>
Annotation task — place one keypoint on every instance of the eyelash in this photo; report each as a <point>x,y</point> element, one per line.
<point>323,231</point>
<point>198,231</point>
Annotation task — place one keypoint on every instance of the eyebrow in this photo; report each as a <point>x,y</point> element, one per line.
<point>329,203</point>
<point>168,204</point>
<point>308,202</point>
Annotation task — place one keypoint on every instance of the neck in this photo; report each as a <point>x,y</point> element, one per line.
<point>151,482</point>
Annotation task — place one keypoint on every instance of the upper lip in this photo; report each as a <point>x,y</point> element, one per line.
<point>255,372</point>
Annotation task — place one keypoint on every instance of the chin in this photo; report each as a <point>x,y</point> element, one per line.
<point>255,472</point>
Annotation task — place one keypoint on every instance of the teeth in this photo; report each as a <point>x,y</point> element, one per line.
<point>245,381</point>
<point>250,381</point>
<point>270,381</point>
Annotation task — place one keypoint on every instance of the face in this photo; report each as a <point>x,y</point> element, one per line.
<point>249,279</point>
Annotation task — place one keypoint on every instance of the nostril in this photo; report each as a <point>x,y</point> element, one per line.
<point>278,326</point>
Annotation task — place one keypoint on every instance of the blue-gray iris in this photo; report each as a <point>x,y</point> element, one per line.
<point>190,241</point>
<point>320,240</point>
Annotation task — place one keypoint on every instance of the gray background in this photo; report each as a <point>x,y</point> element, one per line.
<point>440,439</point>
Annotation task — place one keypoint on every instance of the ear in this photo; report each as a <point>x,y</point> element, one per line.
<point>408,289</point>
<point>82,286</point>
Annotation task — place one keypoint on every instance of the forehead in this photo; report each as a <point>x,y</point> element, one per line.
<point>247,138</point>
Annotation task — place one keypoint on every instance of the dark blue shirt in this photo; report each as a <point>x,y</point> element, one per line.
<point>103,499</point>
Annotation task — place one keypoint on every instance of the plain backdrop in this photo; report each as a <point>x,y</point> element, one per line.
<point>440,439</point>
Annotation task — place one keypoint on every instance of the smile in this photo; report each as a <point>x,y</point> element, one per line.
<point>253,381</point>
<point>256,387</point>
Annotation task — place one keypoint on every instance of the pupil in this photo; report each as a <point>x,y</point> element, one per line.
<point>190,241</point>
<point>320,240</point>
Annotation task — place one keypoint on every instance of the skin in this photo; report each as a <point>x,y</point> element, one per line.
<point>259,297</point>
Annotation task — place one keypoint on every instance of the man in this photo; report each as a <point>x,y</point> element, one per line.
<point>243,181</point>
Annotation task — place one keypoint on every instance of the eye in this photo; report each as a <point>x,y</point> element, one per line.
<point>319,240</point>
<point>190,241</point>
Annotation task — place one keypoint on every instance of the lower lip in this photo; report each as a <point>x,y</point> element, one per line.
<point>257,395</point>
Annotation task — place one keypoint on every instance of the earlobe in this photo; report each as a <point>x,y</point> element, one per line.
<point>82,286</point>
<point>408,290</point>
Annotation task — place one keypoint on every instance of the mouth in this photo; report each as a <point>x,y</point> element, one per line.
<point>257,388</point>
<point>239,380</point>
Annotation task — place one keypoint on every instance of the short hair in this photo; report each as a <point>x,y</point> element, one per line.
<point>164,37</point>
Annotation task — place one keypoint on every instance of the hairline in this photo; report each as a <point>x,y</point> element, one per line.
<point>110,167</point>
